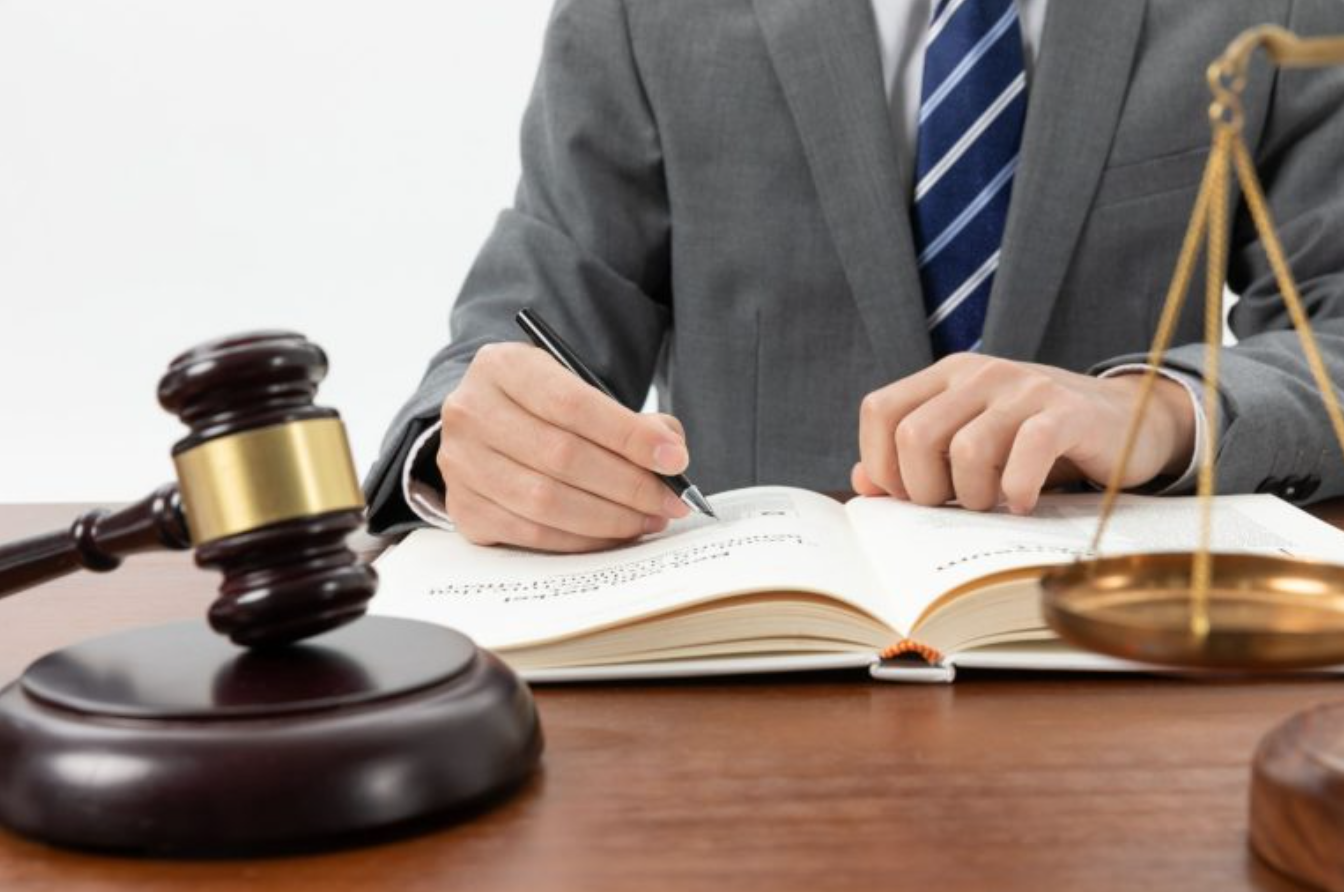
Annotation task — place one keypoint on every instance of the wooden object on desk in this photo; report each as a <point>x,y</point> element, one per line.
<point>1297,789</point>
<point>269,486</point>
<point>266,494</point>
<point>998,782</point>
<point>97,540</point>
<point>168,739</point>
<point>1297,797</point>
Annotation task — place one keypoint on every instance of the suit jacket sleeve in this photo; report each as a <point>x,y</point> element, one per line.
<point>1276,436</point>
<point>586,242</point>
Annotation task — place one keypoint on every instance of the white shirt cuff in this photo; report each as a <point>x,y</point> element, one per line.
<point>423,499</point>
<point>1194,387</point>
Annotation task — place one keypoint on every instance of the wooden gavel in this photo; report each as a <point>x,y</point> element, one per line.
<point>169,739</point>
<point>266,493</point>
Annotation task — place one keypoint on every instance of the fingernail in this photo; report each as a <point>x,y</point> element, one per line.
<point>669,458</point>
<point>655,524</point>
<point>674,507</point>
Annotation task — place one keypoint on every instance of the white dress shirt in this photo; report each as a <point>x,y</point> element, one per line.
<point>901,27</point>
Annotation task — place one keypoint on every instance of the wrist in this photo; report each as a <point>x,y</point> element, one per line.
<point>1180,412</point>
<point>1173,414</point>
<point>1170,419</point>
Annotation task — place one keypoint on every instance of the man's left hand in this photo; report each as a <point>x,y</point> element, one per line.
<point>984,430</point>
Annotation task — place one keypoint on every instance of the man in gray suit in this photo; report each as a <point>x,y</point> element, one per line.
<point>903,246</point>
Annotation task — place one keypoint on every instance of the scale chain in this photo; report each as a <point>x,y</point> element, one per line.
<point>1209,224</point>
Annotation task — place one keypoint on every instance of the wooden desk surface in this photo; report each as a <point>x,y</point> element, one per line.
<point>832,782</point>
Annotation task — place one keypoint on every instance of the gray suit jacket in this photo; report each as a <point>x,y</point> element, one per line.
<point>712,201</point>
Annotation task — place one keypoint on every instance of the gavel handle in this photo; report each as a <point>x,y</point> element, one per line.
<point>97,540</point>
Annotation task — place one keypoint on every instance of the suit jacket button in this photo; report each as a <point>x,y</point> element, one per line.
<point>1307,486</point>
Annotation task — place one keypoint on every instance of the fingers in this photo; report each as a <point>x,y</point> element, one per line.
<point>977,455</point>
<point>859,482</point>
<point>569,458</point>
<point>879,415</point>
<point>485,523</point>
<point>672,423</point>
<point>1041,441</point>
<point>982,430</point>
<point>924,439</point>
<point>541,386</point>
<point>526,455</point>
<point>541,498</point>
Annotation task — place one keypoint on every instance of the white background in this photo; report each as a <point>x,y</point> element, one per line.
<point>175,170</point>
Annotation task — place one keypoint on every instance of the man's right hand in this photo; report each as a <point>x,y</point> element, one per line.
<point>533,456</point>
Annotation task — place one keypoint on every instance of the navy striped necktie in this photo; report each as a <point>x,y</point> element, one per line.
<point>972,105</point>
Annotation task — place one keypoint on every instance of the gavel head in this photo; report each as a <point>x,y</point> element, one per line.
<point>268,487</point>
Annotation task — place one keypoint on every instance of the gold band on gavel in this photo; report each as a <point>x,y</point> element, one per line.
<point>259,477</point>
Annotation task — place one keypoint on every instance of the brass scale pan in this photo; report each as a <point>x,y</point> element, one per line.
<point>1199,609</point>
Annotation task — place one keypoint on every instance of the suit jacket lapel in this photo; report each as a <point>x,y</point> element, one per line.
<point>1079,89</point>
<point>826,57</point>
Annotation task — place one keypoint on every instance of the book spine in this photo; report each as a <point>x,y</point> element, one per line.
<point>909,647</point>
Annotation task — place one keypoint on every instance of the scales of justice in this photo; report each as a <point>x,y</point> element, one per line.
<point>1240,612</point>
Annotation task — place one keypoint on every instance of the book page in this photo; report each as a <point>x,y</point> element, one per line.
<point>767,539</point>
<point>919,553</point>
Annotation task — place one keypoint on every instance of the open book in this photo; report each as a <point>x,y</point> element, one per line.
<point>789,579</point>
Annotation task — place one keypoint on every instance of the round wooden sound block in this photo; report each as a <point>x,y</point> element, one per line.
<point>172,740</point>
<point>1297,797</point>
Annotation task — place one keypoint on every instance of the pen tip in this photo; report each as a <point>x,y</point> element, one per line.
<point>697,501</point>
